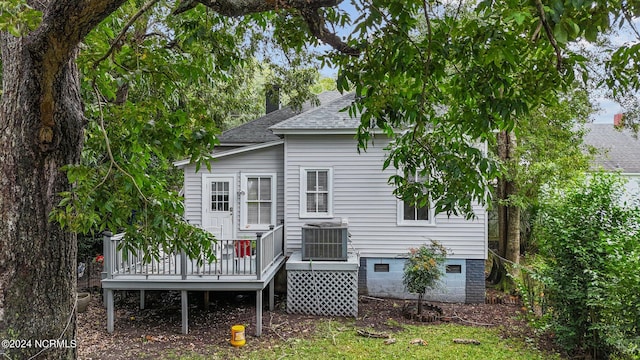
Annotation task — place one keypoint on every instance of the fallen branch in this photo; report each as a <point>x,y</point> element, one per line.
<point>274,327</point>
<point>455,316</point>
<point>418,342</point>
<point>372,334</point>
<point>390,341</point>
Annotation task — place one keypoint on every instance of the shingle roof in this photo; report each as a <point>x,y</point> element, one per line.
<point>621,150</point>
<point>257,131</point>
<point>327,116</point>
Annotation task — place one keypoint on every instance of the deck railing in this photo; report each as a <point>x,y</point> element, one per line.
<point>241,257</point>
<point>269,247</point>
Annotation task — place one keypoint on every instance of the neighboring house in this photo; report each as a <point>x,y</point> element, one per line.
<point>297,168</point>
<point>619,151</point>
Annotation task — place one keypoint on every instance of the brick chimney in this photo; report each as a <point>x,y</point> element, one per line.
<point>272,95</point>
<point>617,120</point>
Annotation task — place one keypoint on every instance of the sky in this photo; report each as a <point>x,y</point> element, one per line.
<point>609,109</point>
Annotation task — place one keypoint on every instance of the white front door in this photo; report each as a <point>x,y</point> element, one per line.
<point>218,200</point>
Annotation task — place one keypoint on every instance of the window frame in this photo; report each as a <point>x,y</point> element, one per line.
<point>244,202</point>
<point>304,214</point>
<point>400,215</point>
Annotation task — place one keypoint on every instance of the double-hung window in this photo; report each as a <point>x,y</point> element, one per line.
<point>413,214</point>
<point>316,192</point>
<point>259,201</point>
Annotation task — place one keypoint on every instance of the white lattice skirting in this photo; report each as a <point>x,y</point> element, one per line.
<point>322,292</point>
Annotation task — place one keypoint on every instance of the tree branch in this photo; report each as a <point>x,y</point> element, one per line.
<point>108,146</point>
<point>629,18</point>
<point>126,27</point>
<point>64,24</point>
<point>235,8</point>
<point>317,26</point>
<point>549,32</point>
<point>308,10</point>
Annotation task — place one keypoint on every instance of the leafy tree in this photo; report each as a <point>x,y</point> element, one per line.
<point>465,80</point>
<point>150,73</point>
<point>549,152</point>
<point>590,242</point>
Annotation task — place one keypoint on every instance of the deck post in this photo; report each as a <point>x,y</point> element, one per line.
<point>110,310</point>
<point>206,300</point>
<point>259,256</point>
<point>106,264</point>
<point>282,240</point>
<point>271,294</point>
<point>185,310</point>
<point>141,299</point>
<point>183,265</point>
<point>258,313</point>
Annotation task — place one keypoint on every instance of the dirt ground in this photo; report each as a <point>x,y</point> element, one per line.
<point>156,330</point>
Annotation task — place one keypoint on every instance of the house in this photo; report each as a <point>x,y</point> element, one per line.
<point>296,168</point>
<point>270,179</point>
<point>619,151</point>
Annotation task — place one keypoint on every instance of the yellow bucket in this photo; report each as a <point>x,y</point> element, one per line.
<point>237,336</point>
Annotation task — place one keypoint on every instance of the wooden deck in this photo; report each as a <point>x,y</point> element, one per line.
<point>241,265</point>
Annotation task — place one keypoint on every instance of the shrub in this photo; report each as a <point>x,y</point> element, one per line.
<point>423,269</point>
<point>590,242</point>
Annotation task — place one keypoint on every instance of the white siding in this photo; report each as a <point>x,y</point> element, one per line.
<point>362,194</point>
<point>265,160</point>
<point>632,189</point>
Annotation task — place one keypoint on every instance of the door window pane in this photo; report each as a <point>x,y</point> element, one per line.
<point>220,196</point>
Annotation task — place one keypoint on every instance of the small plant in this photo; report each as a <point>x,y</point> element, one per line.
<point>423,269</point>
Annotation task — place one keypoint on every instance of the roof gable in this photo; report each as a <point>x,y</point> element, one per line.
<point>326,117</point>
<point>258,130</point>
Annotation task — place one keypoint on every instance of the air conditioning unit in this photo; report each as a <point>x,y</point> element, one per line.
<point>324,242</point>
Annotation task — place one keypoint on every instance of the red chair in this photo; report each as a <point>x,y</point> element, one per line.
<point>243,248</point>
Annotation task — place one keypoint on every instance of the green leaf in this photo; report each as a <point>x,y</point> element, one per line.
<point>560,33</point>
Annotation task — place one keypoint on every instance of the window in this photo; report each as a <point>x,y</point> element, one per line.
<point>412,215</point>
<point>315,193</point>
<point>259,201</point>
<point>219,196</point>
<point>380,267</point>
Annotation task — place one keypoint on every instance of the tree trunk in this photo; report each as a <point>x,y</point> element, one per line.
<point>508,214</point>
<point>513,235</point>
<point>503,155</point>
<point>37,258</point>
<point>502,219</point>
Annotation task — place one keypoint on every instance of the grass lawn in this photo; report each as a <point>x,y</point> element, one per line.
<point>339,340</point>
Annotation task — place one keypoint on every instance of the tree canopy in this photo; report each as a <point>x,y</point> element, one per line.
<point>468,74</point>
<point>447,75</point>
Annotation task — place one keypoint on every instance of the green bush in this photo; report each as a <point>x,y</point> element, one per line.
<point>590,242</point>
<point>423,269</point>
